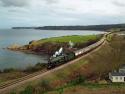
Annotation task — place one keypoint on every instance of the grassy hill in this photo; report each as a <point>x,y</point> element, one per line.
<point>50,45</point>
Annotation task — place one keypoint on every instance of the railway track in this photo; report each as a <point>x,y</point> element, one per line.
<point>10,85</point>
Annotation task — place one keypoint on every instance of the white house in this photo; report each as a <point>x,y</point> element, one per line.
<point>117,76</point>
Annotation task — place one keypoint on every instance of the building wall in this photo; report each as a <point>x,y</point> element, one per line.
<point>110,76</point>
<point>117,79</point>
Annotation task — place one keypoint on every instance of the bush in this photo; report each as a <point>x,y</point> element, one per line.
<point>42,65</point>
<point>60,90</point>
<point>45,85</point>
<point>12,93</point>
<point>80,79</point>
<point>9,70</point>
<point>28,90</point>
<point>35,68</point>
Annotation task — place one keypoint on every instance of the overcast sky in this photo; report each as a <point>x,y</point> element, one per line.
<point>60,12</point>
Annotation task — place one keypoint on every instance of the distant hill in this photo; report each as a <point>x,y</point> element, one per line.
<point>89,27</point>
<point>23,27</point>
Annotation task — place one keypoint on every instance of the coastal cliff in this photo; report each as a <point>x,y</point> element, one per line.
<point>50,45</point>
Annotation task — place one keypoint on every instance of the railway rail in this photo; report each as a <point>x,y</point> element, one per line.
<point>9,83</point>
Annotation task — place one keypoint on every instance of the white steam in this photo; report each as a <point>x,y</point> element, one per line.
<point>71,44</point>
<point>57,53</point>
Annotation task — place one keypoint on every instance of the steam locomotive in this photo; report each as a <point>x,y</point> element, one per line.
<point>61,58</point>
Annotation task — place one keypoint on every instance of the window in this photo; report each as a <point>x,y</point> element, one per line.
<point>116,78</point>
<point>120,78</point>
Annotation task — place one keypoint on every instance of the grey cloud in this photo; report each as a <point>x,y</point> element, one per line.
<point>51,1</point>
<point>119,4</point>
<point>15,3</point>
<point>22,3</point>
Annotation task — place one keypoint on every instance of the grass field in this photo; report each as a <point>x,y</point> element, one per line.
<point>91,89</point>
<point>74,38</point>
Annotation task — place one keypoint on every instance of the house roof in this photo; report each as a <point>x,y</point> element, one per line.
<point>117,74</point>
<point>123,66</point>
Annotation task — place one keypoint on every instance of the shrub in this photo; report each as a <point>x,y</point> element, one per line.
<point>80,79</point>
<point>12,93</point>
<point>45,85</point>
<point>60,90</point>
<point>9,70</point>
<point>28,90</point>
<point>35,68</point>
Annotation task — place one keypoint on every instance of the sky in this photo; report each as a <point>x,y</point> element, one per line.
<point>60,12</point>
